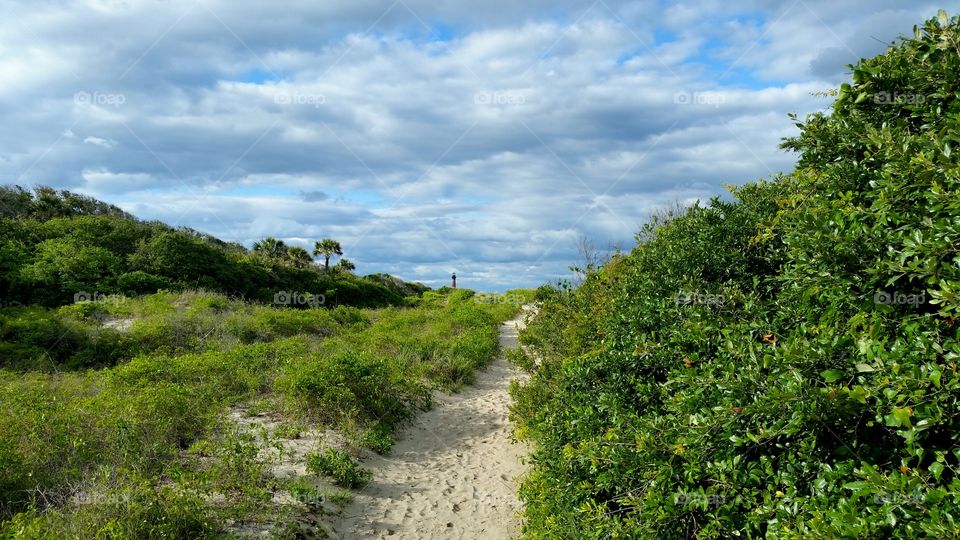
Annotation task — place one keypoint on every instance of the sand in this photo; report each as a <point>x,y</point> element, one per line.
<point>452,473</point>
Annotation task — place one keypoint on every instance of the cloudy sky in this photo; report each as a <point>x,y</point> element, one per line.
<point>428,136</point>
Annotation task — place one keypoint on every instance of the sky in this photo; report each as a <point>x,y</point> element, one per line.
<point>427,136</point>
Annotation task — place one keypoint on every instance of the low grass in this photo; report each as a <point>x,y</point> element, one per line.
<point>140,445</point>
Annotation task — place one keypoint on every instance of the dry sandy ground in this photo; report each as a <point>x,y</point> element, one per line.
<point>452,473</point>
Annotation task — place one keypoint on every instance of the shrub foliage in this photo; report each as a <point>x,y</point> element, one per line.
<point>146,448</point>
<point>56,246</point>
<point>783,364</point>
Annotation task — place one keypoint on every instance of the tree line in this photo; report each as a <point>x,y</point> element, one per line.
<point>55,245</point>
<point>299,257</point>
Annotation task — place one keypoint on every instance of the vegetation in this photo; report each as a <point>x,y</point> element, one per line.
<point>327,248</point>
<point>58,247</point>
<point>271,248</point>
<point>119,378</point>
<point>143,445</point>
<point>339,466</point>
<point>783,364</point>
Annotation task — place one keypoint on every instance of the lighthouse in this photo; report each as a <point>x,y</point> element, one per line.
<point>454,280</point>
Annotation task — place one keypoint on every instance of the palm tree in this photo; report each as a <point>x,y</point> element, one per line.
<point>299,257</point>
<point>328,247</point>
<point>271,248</point>
<point>346,266</point>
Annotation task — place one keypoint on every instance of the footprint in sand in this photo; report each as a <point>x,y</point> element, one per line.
<point>458,421</point>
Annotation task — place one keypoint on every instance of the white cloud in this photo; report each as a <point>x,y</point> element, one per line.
<point>104,183</point>
<point>97,141</point>
<point>489,151</point>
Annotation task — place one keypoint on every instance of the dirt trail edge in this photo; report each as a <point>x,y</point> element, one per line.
<point>452,473</point>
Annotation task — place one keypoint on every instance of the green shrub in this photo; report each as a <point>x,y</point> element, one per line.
<point>350,316</point>
<point>236,469</point>
<point>289,430</point>
<point>353,385</point>
<point>377,438</point>
<point>32,336</point>
<point>140,282</point>
<point>780,365</point>
<point>306,493</point>
<point>139,510</point>
<point>521,359</point>
<point>339,466</point>
<point>340,498</point>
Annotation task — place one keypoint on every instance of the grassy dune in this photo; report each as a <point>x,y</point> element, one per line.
<point>140,445</point>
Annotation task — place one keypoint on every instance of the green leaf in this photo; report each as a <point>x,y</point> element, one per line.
<point>902,415</point>
<point>865,368</point>
<point>831,375</point>
<point>936,469</point>
<point>858,486</point>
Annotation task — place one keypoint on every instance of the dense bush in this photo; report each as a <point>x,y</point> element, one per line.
<point>366,386</point>
<point>114,329</point>
<point>46,203</point>
<point>780,365</point>
<point>34,338</point>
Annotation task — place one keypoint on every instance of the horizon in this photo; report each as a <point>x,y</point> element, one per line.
<point>429,140</point>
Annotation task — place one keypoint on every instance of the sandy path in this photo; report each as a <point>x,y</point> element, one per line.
<point>451,474</point>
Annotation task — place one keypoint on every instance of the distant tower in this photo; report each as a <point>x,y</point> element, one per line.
<point>454,278</point>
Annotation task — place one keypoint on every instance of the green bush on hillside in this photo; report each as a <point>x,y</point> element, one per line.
<point>338,465</point>
<point>781,365</point>
<point>57,247</point>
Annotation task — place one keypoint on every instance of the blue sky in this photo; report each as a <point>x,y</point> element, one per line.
<point>428,137</point>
